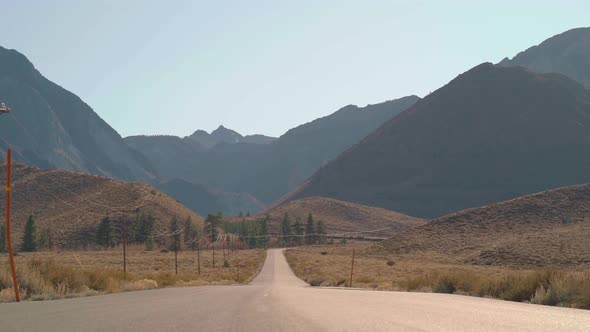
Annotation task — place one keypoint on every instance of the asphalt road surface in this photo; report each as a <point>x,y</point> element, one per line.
<point>278,301</point>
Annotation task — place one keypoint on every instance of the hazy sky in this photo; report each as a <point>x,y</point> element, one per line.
<point>171,67</point>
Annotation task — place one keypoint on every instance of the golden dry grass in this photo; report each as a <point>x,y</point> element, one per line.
<point>51,275</point>
<point>548,229</point>
<point>330,266</point>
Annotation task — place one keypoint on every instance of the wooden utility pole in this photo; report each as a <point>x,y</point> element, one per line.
<point>8,241</point>
<point>238,271</point>
<point>351,269</point>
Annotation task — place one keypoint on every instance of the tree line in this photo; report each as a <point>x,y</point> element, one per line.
<point>254,233</point>
<point>31,241</point>
<point>296,233</point>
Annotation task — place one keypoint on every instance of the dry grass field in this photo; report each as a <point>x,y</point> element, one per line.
<point>432,272</point>
<point>53,275</point>
<point>547,229</point>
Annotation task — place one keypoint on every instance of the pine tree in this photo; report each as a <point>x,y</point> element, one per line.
<point>2,238</point>
<point>285,230</point>
<point>149,243</point>
<point>309,230</point>
<point>299,231</point>
<point>321,232</point>
<point>211,226</point>
<point>43,242</point>
<point>175,235</point>
<point>265,232</point>
<point>105,234</point>
<point>146,228</point>
<point>191,234</point>
<point>29,242</point>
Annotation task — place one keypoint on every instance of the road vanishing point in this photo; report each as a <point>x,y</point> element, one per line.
<point>278,301</point>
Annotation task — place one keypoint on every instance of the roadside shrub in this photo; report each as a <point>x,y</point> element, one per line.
<point>445,285</point>
<point>316,282</point>
<point>390,263</point>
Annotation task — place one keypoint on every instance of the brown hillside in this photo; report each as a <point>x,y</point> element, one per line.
<point>70,204</point>
<point>547,229</point>
<point>341,217</point>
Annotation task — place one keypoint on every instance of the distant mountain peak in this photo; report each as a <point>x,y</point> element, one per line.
<point>225,135</point>
<point>566,53</point>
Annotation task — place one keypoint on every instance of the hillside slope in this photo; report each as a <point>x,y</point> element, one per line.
<point>52,128</point>
<point>545,229</point>
<point>567,53</point>
<point>70,204</point>
<point>269,171</point>
<point>343,217</point>
<point>491,134</point>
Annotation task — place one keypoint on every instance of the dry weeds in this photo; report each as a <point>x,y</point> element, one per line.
<point>54,275</point>
<point>330,266</point>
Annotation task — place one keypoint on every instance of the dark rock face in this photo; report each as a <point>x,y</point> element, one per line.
<point>270,170</point>
<point>567,53</point>
<point>52,128</point>
<point>491,134</point>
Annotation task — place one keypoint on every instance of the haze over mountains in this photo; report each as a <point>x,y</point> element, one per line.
<point>567,53</point>
<point>269,170</point>
<point>53,128</point>
<point>225,135</point>
<point>493,133</point>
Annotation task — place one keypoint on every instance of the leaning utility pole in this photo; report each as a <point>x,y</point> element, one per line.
<point>8,241</point>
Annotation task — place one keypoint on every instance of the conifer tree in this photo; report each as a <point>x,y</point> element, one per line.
<point>321,232</point>
<point>285,230</point>
<point>105,234</point>
<point>2,238</point>
<point>29,242</point>
<point>309,230</point>
<point>299,231</point>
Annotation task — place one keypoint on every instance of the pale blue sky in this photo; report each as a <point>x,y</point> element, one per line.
<point>171,67</point>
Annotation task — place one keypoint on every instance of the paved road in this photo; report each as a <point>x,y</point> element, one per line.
<point>278,301</point>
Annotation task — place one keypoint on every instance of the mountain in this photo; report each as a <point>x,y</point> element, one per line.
<point>70,204</point>
<point>546,229</point>
<point>567,53</point>
<point>269,171</point>
<point>225,135</point>
<point>491,134</point>
<point>52,128</point>
<point>204,201</point>
<point>341,217</point>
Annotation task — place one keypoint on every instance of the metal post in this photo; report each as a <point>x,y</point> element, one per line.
<point>8,241</point>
